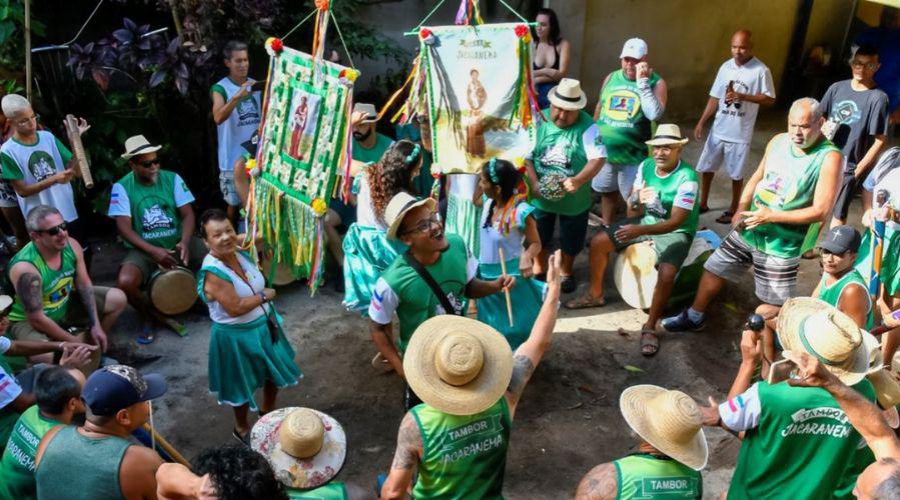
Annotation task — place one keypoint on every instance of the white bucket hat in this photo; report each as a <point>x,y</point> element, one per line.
<point>667,134</point>
<point>364,113</point>
<point>568,95</point>
<point>397,209</point>
<point>138,145</point>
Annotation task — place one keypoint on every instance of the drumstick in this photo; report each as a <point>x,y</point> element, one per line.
<point>167,446</point>
<point>71,124</point>
<point>506,290</point>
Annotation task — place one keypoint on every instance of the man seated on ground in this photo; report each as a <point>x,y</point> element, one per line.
<point>44,274</point>
<point>470,383</point>
<point>58,395</point>
<point>793,187</point>
<point>672,450</point>
<point>97,460</point>
<point>796,441</point>
<point>662,211</point>
<point>154,218</point>
<point>881,479</point>
<point>404,286</point>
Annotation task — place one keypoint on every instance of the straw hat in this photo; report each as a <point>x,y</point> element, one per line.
<point>887,389</point>
<point>364,113</point>
<point>138,145</point>
<point>458,365</point>
<point>305,447</point>
<point>397,209</point>
<point>667,134</point>
<point>669,420</point>
<point>567,95</point>
<point>6,303</point>
<point>815,327</point>
<point>635,274</point>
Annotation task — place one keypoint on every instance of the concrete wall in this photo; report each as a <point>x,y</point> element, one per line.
<point>828,24</point>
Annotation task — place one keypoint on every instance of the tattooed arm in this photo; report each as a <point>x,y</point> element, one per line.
<point>86,292</point>
<point>598,484</point>
<point>529,354</point>
<point>406,459</point>
<point>27,282</point>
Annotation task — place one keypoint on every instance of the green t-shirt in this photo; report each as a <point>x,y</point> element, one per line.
<point>56,284</point>
<point>330,491</point>
<point>680,188</point>
<point>789,183</point>
<point>400,289</point>
<point>832,294</point>
<point>565,152</point>
<point>17,464</point>
<point>464,455</point>
<point>646,476</point>
<point>622,122</point>
<point>153,209</point>
<point>373,154</point>
<point>800,447</point>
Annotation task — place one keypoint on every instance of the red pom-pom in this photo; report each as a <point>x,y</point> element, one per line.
<point>425,33</point>
<point>322,4</point>
<point>521,30</point>
<point>277,45</point>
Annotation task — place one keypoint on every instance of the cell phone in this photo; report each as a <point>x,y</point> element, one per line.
<point>781,371</point>
<point>258,85</point>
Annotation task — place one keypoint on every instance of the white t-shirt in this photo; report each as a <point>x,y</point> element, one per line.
<point>120,204</point>
<point>734,121</point>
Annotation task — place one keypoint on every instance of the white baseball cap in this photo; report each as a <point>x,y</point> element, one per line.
<point>634,48</point>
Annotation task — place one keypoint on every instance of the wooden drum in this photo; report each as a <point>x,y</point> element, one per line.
<point>172,291</point>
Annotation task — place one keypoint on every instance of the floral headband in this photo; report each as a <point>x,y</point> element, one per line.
<point>414,155</point>
<point>492,171</point>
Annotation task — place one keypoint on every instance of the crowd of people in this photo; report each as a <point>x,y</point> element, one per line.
<point>428,252</point>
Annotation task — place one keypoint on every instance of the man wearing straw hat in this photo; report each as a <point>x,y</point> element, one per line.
<point>566,156</point>
<point>433,277</point>
<point>793,187</point>
<point>97,460</point>
<point>670,456</point>
<point>792,434</point>
<point>663,211</point>
<point>470,383</point>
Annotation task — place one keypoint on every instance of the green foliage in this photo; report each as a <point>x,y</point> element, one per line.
<point>12,33</point>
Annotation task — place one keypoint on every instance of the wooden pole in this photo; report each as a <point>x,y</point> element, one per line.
<point>167,446</point>
<point>28,49</point>
<point>506,290</point>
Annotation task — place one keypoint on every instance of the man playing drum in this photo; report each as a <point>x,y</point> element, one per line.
<point>154,218</point>
<point>44,274</point>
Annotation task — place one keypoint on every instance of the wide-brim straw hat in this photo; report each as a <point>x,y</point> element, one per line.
<point>669,420</point>
<point>567,95</point>
<point>301,473</point>
<point>138,145</point>
<point>813,326</point>
<point>397,209</point>
<point>458,365</point>
<point>667,134</point>
<point>635,274</point>
<point>887,388</point>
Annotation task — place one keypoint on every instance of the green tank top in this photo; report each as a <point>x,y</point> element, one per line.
<point>154,215</point>
<point>862,458</point>
<point>646,476</point>
<point>560,151</point>
<point>789,184</point>
<point>623,126</point>
<point>666,190</point>
<point>331,491</point>
<point>57,284</point>
<point>832,294</point>
<point>464,455</point>
<point>801,446</point>
<point>17,464</point>
<point>60,477</point>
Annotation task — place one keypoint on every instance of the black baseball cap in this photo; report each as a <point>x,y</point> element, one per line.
<point>115,387</point>
<point>840,239</point>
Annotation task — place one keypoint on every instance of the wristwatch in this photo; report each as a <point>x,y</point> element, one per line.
<point>263,297</point>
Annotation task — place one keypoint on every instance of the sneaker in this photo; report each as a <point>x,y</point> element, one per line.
<point>568,284</point>
<point>682,323</point>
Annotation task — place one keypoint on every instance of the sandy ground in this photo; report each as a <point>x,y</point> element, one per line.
<point>568,420</point>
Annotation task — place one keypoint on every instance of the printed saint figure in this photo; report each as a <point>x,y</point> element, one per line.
<point>300,115</point>
<point>476,97</point>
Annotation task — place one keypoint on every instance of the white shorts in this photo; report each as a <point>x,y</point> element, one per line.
<point>717,152</point>
<point>612,178</point>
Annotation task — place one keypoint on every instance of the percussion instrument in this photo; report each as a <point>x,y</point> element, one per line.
<point>172,291</point>
<point>278,274</point>
<point>71,124</point>
<point>551,187</point>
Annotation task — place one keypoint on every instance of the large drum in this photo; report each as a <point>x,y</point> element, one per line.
<point>278,274</point>
<point>635,272</point>
<point>172,291</point>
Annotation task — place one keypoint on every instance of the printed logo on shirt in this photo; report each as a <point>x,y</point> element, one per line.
<point>810,422</point>
<point>247,111</point>
<point>555,159</point>
<point>733,107</point>
<point>456,303</point>
<point>114,200</point>
<point>677,486</point>
<point>621,106</point>
<point>775,190</point>
<point>4,381</point>
<point>846,113</point>
<point>155,218</point>
<point>59,293</point>
<point>473,438</point>
<point>40,164</point>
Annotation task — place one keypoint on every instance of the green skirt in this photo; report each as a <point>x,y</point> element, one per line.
<point>367,253</point>
<point>463,217</point>
<point>242,358</point>
<point>527,297</point>
<point>890,265</point>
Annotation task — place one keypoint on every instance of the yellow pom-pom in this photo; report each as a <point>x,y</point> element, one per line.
<point>319,207</point>
<point>250,165</point>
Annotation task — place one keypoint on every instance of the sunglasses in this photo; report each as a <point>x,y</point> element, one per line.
<point>149,163</point>
<point>53,231</point>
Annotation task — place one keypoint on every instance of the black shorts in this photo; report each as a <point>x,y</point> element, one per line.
<point>572,230</point>
<point>849,187</point>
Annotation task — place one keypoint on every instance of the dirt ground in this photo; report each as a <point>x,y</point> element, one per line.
<point>568,420</point>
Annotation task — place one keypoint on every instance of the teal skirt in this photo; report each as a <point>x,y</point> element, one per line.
<point>890,264</point>
<point>463,218</point>
<point>242,358</point>
<point>367,253</point>
<point>527,297</point>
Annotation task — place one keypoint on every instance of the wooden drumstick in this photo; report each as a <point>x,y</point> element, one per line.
<point>167,446</point>
<point>71,124</point>
<point>506,290</point>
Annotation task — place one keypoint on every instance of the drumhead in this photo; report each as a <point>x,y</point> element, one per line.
<point>282,275</point>
<point>635,274</point>
<point>173,291</point>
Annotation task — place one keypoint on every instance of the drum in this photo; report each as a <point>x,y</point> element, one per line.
<point>280,275</point>
<point>635,272</point>
<point>172,291</point>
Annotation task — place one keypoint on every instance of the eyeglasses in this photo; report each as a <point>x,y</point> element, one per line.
<point>26,121</point>
<point>53,231</point>
<point>425,225</point>
<point>857,64</point>
<point>149,163</point>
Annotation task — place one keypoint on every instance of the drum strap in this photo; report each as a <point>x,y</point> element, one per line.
<point>429,280</point>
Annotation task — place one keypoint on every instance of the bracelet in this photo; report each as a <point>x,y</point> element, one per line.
<point>262,296</point>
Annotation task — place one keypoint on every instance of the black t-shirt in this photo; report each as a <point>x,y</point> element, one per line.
<point>860,115</point>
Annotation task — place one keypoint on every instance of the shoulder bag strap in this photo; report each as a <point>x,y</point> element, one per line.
<point>429,280</point>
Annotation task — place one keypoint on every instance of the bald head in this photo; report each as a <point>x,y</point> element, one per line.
<point>741,46</point>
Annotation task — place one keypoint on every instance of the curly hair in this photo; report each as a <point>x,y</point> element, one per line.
<point>392,175</point>
<point>239,473</point>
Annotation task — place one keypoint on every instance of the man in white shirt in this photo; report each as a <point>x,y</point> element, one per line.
<point>742,84</point>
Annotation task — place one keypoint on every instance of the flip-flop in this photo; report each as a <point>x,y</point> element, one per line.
<point>381,364</point>
<point>243,439</point>
<point>649,338</point>
<point>585,302</point>
<point>725,218</point>
<point>147,335</point>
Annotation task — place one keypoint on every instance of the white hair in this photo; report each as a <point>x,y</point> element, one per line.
<point>809,103</point>
<point>13,103</point>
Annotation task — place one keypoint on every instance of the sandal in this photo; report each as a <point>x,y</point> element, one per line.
<point>649,342</point>
<point>381,364</point>
<point>147,335</point>
<point>725,218</point>
<point>244,439</point>
<point>585,301</point>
